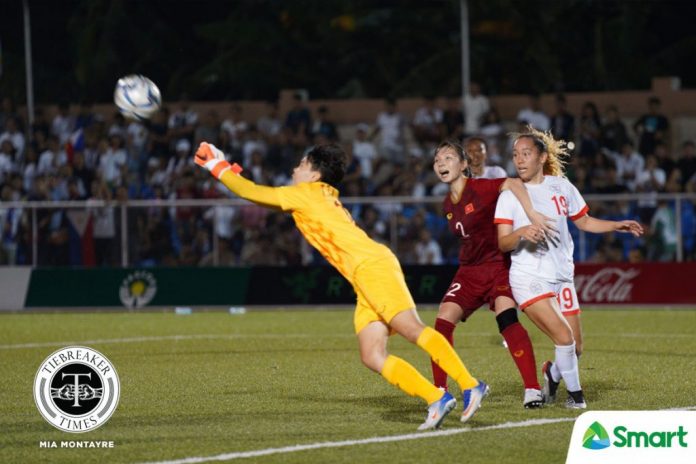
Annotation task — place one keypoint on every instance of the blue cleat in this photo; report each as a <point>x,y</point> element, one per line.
<point>472,399</point>
<point>437,411</point>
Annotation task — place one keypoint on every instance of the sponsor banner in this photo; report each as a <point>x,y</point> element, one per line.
<point>644,283</point>
<point>633,437</point>
<point>137,288</point>
<point>605,284</point>
<point>324,285</point>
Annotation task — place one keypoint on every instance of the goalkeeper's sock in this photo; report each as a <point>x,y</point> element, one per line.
<point>520,347</point>
<point>444,355</point>
<point>404,376</point>
<point>446,328</point>
<point>567,362</point>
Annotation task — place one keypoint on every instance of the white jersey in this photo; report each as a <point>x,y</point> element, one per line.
<point>492,172</point>
<point>550,260</point>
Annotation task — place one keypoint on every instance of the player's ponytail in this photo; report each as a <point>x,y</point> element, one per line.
<point>459,150</point>
<point>556,150</point>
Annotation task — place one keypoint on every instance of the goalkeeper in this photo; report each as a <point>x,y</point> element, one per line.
<point>384,305</point>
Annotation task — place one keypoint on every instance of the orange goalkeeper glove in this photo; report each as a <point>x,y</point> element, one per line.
<point>213,159</point>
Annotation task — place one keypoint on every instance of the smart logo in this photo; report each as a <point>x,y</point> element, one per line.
<point>633,437</point>
<point>596,437</point>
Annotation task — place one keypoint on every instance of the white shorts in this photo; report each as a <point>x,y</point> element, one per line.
<point>529,289</point>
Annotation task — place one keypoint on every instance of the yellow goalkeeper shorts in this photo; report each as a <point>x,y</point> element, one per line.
<point>382,292</point>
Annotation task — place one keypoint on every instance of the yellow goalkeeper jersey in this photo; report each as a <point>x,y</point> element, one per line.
<point>320,217</point>
<point>329,227</point>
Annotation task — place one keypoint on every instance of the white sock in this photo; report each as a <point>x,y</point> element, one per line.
<point>556,373</point>
<point>567,364</point>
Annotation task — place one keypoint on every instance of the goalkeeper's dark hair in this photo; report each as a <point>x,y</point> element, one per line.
<point>330,161</point>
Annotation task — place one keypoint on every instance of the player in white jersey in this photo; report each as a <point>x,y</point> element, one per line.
<point>542,266</point>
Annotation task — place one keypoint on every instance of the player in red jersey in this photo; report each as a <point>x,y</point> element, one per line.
<point>482,276</point>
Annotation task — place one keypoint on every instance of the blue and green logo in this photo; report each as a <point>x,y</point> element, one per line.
<point>596,437</point>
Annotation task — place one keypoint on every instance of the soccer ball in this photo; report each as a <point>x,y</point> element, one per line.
<point>137,97</point>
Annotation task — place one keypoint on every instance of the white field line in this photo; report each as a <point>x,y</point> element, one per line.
<point>368,441</point>
<point>107,341</point>
<point>364,441</point>
<point>16,346</point>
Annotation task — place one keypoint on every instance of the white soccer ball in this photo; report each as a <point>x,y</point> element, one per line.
<point>137,97</point>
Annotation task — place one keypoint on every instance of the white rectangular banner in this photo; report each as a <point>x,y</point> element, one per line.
<point>633,437</point>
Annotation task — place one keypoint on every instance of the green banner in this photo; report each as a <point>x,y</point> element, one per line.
<point>136,288</point>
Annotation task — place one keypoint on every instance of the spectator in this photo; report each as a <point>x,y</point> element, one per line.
<point>562,122</point>
<point>651,127</point>
<point>182,123</point>
<point>233,129</point>
<point>323,125</point>
<point>452,126</point>
<point>534,115</point>
<point>298,118</point>
<point>475,106</point>
<point>63,123</point>
<point>687,161</point>
<point>85,116</point>
<point>428,251</point>
<point>426,123</point>
<point>8,110</point>
<point>390,125</point>
<point>364,151</point>
<point>270,124</point>
<point>664,158</point>
<point>650,180</point>
<point>112,160</point>
<point>159,134</point>
<point>7,160</point>
<point>629,163</point>
<point>493,131</point>
<point>208,130</point>
<point>13,134</point>
<point>663,240</point>
<point>589,130</point>
<point>613,132</point>
<point>104,230</point>
<point>52,158</point>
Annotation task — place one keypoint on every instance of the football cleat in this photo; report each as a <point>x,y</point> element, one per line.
<point>550,386</point>
<point>472,399</point>
<point>533,398</point>
<point>437,411</point>
<point>576,400</point>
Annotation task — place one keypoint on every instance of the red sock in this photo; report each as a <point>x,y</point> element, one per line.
<point>522,352</point>
<point>446,328</point>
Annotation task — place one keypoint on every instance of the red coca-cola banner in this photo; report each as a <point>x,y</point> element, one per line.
<point>644,283</point>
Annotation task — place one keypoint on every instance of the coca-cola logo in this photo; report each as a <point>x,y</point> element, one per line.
<point>611,285</point>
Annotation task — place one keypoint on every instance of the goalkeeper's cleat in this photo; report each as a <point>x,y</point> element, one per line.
<point>576,400</point>
<point>437,411</point>
<point>550,386</point>
<point>472,399</point>
<point>533,398</point>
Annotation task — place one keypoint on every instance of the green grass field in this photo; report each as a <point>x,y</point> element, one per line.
<point>212,383</point>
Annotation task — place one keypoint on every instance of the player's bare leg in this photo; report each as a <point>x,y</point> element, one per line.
<point>547,316</point>
<point>373,353</point>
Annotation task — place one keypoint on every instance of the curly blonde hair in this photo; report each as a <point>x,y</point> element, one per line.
<point>557,150</point>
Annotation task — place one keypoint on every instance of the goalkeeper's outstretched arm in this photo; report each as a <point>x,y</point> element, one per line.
<point>211,158</point>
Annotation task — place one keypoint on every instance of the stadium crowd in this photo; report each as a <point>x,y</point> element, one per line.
<point>83,156</point>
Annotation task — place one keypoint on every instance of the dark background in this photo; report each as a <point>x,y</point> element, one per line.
<point>250,49</point>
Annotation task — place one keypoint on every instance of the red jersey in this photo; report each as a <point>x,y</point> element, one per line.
<point>471,219</point>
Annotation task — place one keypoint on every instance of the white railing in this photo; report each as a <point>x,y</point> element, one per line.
<point>32,209</point>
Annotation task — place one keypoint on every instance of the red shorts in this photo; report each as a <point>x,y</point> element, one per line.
<point>473,286</point>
